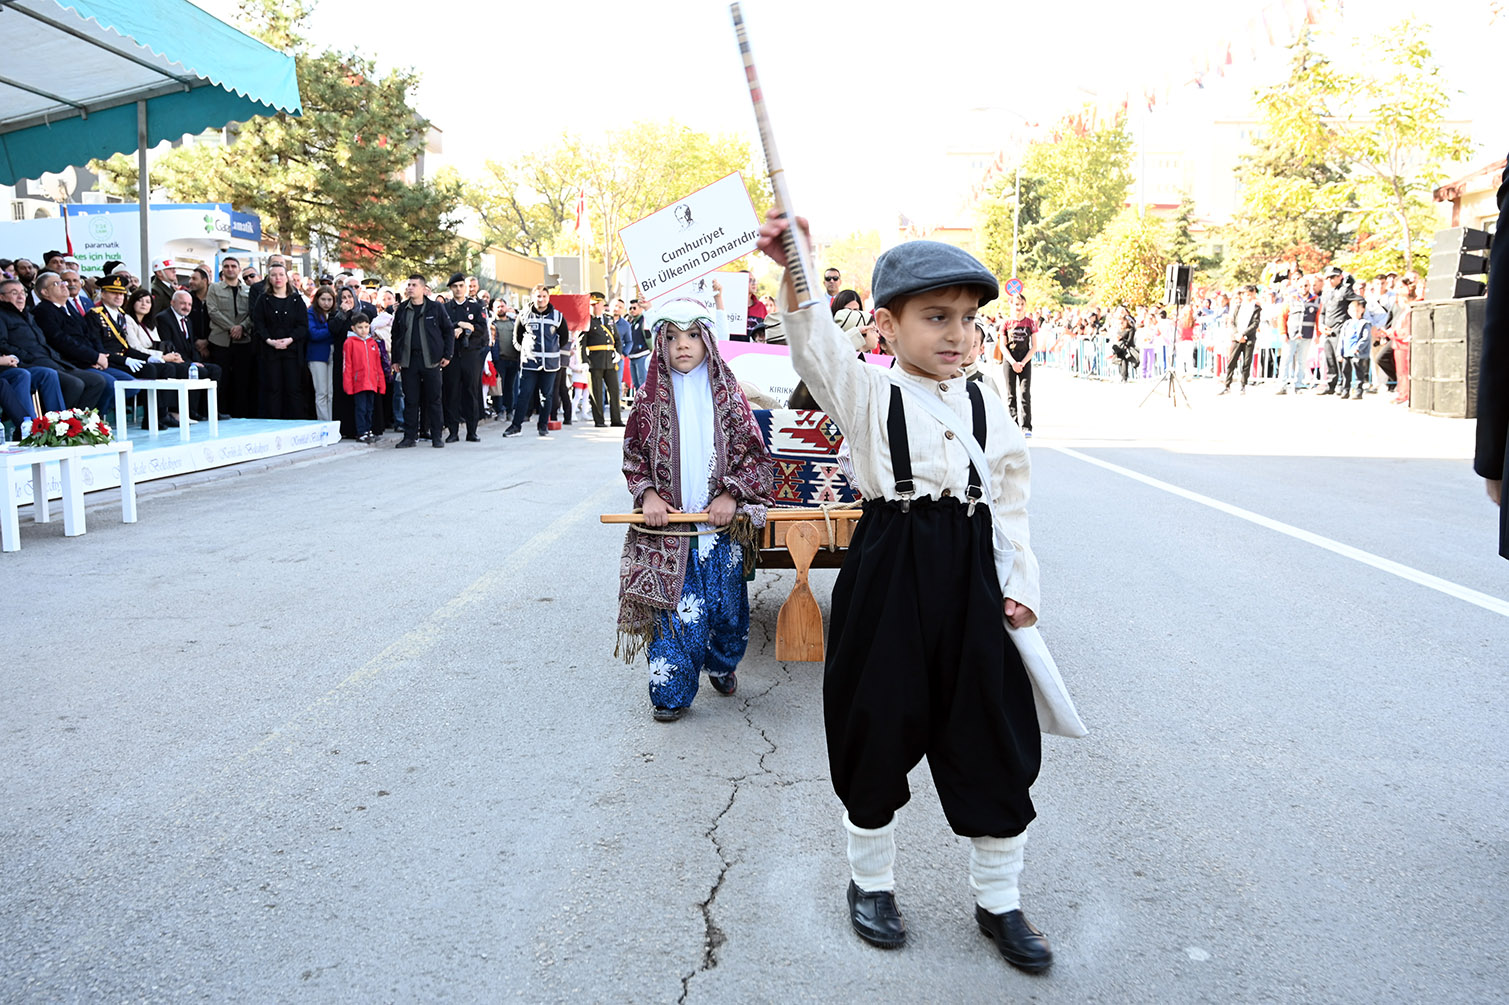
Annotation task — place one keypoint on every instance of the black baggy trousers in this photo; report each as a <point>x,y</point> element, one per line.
<point>919,664</point>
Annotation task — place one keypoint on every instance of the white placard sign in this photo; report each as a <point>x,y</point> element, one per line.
<point>699,234</point>
<point>735,297</point>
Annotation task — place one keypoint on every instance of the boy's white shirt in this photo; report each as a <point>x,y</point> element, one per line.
<point>857,396</point>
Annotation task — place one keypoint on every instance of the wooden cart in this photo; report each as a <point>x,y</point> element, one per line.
<point>800,532</point>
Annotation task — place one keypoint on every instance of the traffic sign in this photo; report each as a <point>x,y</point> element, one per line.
<point>1014,287</point>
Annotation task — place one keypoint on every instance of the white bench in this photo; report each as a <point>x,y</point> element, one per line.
<point>183,387</point>
<point>17,460</point>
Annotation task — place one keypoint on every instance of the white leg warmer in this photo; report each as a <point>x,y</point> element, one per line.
<point>994,866</point>
<point>872,853</point>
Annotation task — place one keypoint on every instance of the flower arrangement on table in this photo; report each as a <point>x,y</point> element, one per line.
<point>72,427</point>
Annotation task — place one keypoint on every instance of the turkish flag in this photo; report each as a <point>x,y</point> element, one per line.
<point>575,307</point>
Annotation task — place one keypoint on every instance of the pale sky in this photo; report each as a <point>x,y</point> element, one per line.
<point>864,96</point>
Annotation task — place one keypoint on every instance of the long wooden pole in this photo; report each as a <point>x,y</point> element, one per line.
<point>771,516</point>
<point>798,268</point>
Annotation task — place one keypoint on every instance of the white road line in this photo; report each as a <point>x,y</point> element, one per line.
<point>419,639</point>
<point>1483,600</point>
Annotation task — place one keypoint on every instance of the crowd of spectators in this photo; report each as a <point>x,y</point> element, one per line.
<point>1296,330</point>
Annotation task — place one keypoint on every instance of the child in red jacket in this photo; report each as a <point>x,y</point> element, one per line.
<point>366,362</point>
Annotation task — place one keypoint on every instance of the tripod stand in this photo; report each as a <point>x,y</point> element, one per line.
<point>1171,384</point>
<point>1175,292</point>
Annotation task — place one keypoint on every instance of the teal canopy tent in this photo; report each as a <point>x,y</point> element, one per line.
<point>90,78</point>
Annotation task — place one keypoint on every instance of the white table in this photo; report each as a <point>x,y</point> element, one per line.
<point>183,387</point>
<point>16,463</point>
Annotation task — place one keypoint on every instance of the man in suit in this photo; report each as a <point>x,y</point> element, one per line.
<point>21,337</point>
<point>175,327</point>
<point>77,303</point>
<point>1493,379</point>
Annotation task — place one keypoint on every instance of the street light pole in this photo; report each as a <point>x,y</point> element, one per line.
<point>1016,216</point>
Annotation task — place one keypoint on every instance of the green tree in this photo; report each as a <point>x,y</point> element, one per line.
<point>1070,191</point>
<point>1182,246</point>
<point>333,176</point>
<point>1128,259</point>
<point>1367,147</point>
<point>1396,138</point>
<point>1294,203</point>
<point>854,257</point>
<point>646,166</point>
<point>526,205</point>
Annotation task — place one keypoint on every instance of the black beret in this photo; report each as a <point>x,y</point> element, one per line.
<point>456,277</point>
<point>919,266</point>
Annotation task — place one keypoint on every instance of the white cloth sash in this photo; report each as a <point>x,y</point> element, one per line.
<point>1055,709</point>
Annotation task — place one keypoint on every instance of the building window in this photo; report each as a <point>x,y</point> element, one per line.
<point>18,210</point>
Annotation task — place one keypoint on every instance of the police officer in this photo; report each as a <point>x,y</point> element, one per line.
<point>463,378</point>
<point>600,351</point>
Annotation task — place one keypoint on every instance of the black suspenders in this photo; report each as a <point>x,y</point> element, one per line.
<point>901,454</point>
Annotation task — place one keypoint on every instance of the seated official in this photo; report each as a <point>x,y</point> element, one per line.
<point>174,328</point>
<point>16,388</point>
<point>21,337</point>
<point>95,340</point>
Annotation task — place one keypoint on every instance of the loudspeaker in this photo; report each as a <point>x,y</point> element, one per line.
<point>1176,283</point>
<point>1458,239</point>
<point>1453,258</point>
<point>1453,287</point>
<point>1445,351</point>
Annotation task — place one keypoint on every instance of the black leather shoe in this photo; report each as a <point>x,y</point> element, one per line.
<point>511,431</point>
<point>667,714</point>
<point>473,438</point>
<point>437,443</point>
<point>875,917</point>
<point>1019,943</point>
<point>453,438</point>
<point>405,443</point>
<point>726,684</point>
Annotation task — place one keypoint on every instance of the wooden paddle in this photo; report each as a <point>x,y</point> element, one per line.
<point>799,626</point>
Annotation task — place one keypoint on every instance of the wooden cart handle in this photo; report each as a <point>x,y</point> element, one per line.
<point>771,516</point>
<point>670,518</point>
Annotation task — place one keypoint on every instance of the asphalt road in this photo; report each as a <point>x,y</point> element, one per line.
<point>351,730</point>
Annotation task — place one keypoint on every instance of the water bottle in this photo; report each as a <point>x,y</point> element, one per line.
<point>193,371</point>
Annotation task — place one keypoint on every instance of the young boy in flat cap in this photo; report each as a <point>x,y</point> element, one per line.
<point>919,660</point>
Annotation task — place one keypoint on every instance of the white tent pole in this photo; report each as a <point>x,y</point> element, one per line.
<point>142,187</point>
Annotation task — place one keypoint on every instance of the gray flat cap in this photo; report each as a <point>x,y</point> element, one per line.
<point>919,266</point>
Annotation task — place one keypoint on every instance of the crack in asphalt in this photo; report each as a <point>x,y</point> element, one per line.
<point>714,937</point>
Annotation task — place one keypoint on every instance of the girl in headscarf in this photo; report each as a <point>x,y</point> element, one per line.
<point>691,446</point>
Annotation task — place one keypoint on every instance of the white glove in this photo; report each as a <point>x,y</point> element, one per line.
<point>133,364</point>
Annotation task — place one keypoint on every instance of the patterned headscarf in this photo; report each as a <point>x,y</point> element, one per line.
<point>653,566</point>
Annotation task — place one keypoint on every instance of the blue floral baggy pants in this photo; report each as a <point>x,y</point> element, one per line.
<point>709,629</point>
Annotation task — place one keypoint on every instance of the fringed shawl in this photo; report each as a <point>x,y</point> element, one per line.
<point>654,566</point>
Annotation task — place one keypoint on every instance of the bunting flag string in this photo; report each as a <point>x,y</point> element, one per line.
<point>1279,24</point>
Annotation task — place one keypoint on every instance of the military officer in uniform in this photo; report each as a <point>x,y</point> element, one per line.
<point>600,351</point>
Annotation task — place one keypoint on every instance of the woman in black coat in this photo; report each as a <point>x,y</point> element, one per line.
<point>282,324</point>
